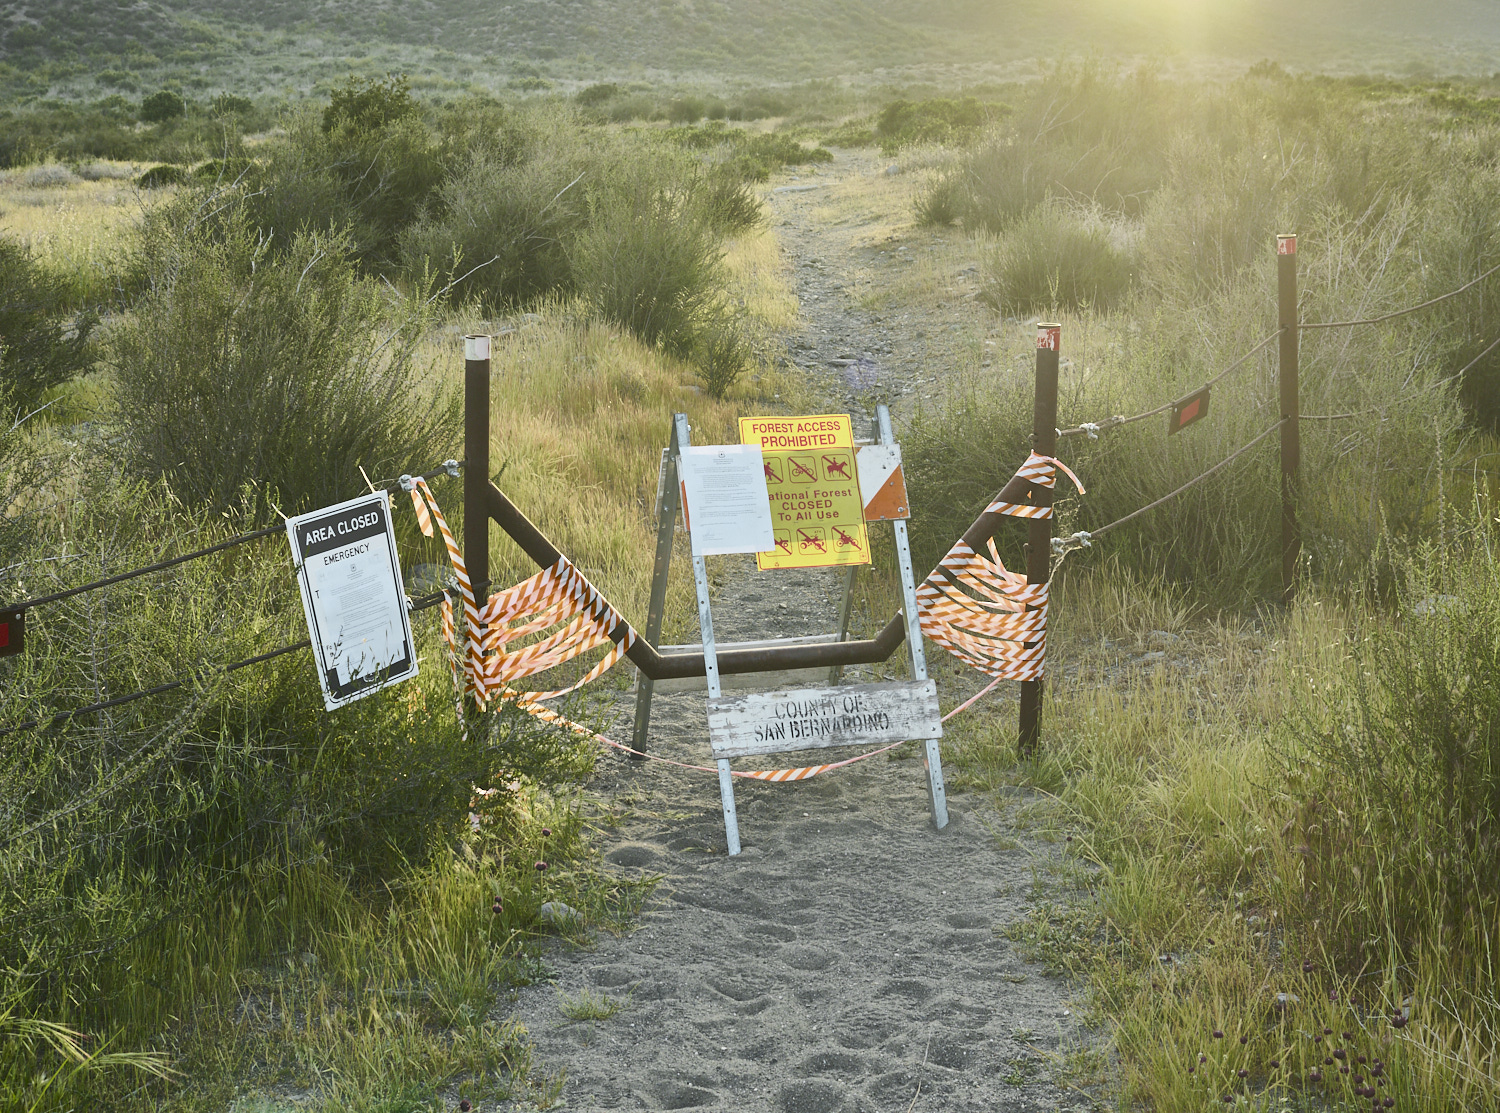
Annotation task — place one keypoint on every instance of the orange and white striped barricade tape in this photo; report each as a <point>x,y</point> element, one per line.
<point>1042,471</point>
<point>557,595</point>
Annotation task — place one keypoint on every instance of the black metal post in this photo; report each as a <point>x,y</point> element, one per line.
<point>1039,530</point>
<point>1291,447</point>
<point>477,464</point>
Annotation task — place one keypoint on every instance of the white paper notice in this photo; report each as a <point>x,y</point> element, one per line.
<point>729,510</point>
<point>351,592</point>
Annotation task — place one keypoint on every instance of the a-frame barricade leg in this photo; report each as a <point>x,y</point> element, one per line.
<point>682,438</point>
<point>668,500</point>
<point>932,756</point>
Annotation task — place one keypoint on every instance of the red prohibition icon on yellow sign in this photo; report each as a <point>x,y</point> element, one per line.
<point>812,540</point>
<point>804,469</point>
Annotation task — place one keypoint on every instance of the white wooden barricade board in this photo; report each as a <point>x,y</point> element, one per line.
<point>816,718</point>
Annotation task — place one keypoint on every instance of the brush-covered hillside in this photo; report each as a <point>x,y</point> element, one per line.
<point>64,45</point>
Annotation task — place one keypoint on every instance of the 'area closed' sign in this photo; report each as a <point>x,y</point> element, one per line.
<point>352,595</point>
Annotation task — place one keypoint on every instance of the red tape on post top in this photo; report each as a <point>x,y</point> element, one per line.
<point>1049,337</point>
<point>1286,245</point>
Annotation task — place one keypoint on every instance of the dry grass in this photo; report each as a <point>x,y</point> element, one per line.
<point>1167,737</point>
<point>79,227</point>
<point>757,276</point>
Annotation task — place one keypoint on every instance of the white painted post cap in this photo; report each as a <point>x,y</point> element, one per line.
<point>477,347</point>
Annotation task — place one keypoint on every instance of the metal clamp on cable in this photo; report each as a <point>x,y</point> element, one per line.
<point>1061,546</point>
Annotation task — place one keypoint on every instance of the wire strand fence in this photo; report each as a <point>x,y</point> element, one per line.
<point>1306,325</point>
<point>1093,428</point>
<point>1060,546</point>
<point>447,468</point>
<point>1082,539</point>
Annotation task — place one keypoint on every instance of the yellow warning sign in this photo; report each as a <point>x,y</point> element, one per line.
<point>817,515</point>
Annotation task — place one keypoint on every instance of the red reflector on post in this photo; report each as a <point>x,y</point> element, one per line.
<point>1187,410</point>
<point>12,633</point>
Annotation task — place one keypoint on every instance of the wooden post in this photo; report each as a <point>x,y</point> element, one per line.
<point>1291,448</point>
<point>1039,530</point>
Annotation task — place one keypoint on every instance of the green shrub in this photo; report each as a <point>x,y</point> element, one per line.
<point>387,177</point>
<point>727,202</point>
<point>116,79</point>
<point>710,135</point>
<point>224,171</point>
<point>365,165</point>
<point>116,107</point>
<point>761,155</point>
<point>936,120</point>
<point>719,357</point>
<point>499,234</point>
<point>647,259</point>
<point>936,207</point>
<point>162,106</point>
<point>686,110</point>
<point>1397,778</point>
<point>362,106</point>
<point>759,104</point>
<point>634,106</point>
<point>593,96</point>
<point>228,104</point>
<point>246,365</point>
<point>855,133</point>
<point>299,191</point>
<point>164,175</point>
<point>503,228</point>
<point>1053,259</point>
<point>44,342</point>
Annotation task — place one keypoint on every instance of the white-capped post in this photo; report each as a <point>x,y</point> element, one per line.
<point>477,464</point>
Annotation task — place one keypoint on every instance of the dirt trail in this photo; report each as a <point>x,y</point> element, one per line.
<point>851,958</point>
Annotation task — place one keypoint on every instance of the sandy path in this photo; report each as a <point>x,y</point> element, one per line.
<point>852,957</point>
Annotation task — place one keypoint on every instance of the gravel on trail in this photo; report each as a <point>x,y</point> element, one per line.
<point>851,958</point>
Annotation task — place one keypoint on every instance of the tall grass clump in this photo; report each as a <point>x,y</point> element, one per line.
<point>242,364</point>
<point>1056,259</point>
<point>1394,772</point>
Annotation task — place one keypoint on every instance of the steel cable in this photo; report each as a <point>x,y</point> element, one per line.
<point>1400,312</point>
<point>172,685</point>
<point>1094,428</point>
